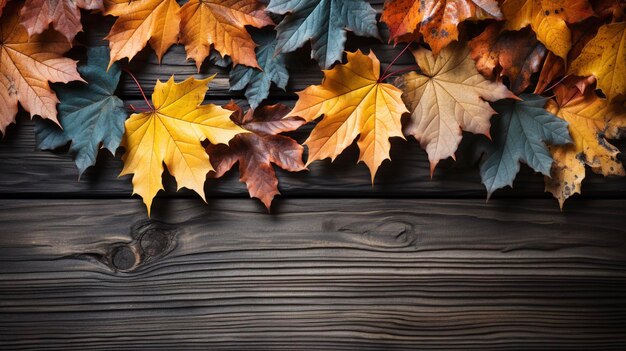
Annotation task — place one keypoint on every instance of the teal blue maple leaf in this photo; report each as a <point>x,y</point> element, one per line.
<point>520,133</point>
<point>324,23</point>
<point>257,82</point>
<point>90,114</point>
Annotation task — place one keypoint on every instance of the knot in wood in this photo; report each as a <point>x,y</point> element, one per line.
<point>124,258</point>
<point>389,233</point>
<point>154,242</point>
<point>151,240</point>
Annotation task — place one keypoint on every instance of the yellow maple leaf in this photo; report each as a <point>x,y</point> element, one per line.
<point>221,24</point>
<point>448,96</point>
<point>172,133</point>
<point>140,22</point>
<point>548,18</point>
<point>590,120</point>
<point>604,56</point>
<point>353,103</point>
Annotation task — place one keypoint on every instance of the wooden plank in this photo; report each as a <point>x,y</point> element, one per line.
<point>334,275</point>
<point>34,173</point>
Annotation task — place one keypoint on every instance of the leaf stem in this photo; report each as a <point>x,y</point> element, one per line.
<point>555,84</point>
<point>383,76</point>
<point>140,89</point>
<point>135,109</point>
<point>411,68</point>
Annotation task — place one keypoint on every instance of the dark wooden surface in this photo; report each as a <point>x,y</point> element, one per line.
<point>330,275</point>
<point>409,263</point>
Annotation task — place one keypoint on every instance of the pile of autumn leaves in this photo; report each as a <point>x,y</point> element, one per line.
<point>570,54</point>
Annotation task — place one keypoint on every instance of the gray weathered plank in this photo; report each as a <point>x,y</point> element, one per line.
<point>339,274</point>
<point>31,172</point>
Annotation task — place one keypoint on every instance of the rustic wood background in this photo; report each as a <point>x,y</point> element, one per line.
<point>409,263</point>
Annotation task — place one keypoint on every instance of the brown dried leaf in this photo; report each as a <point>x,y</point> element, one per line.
<point>516,55</point>
<point>256,151</point>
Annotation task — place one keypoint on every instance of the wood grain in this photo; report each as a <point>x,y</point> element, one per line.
<point>409,263</point>
<point>334,275</point>
<point>29,172</point>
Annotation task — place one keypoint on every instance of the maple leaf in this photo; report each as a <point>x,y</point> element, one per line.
<point>140,22</point>
<point>64,15</point>
<point>548,19</point>
<point>256,151</point>
<point>448,96</point>
<point>256,81</point>
<point>221,23</point>
<point>354,103</point>
<point>516,55</point>
<point>590,119</point>
<point>520,134</point>
<point>90,114</point>
<point>554,66</point>
<point>172,133</point>
<point>604,57</point>
<point>436,20</point>
<point>324,23</point>
<point>26,67</point>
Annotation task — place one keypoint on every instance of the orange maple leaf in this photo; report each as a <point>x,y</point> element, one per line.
<point>140,21</point>
<point>221,24</point>
<point>64,15</point>
<point>436,20</point>
<point>26,67</point>
<point>354,103</point>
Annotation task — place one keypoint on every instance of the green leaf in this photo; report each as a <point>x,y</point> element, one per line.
<point>520,134</point>
<point>324,23</point>
<point>91,116</point>
<point>256,82</point>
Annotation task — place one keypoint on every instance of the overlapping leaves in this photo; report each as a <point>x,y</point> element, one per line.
<point>447,97</point>
<point>258,150</point>
<point>591,121</point>
<point>435,20</point>
<point>91,115</point>
<point>571,54</point>
<point>520,134</point>
<point>324,23</point>
<point>354,103</point>
<point>171,133</point>
<point>27,66</point>
<point>63,15</point>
